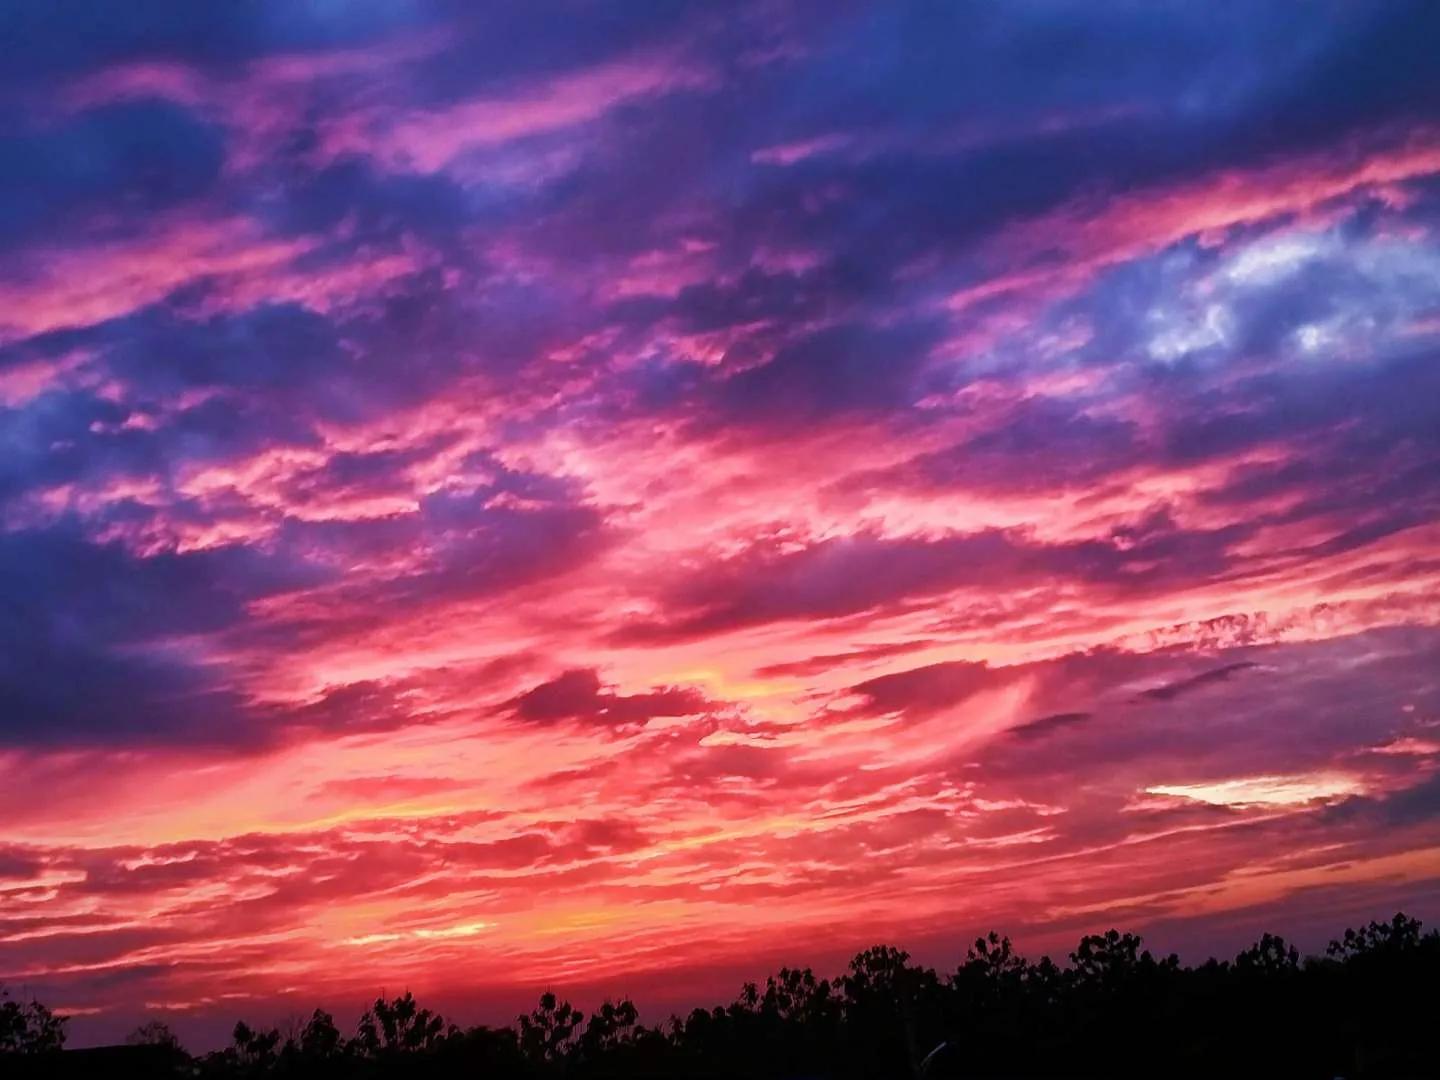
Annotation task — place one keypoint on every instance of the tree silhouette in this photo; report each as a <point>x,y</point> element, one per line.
<point>254,1051</point>
<point>1269,957</point>
<point>546,1033</point>
<point>1401,934</point>
<point>891,1007</point>
<point>27,1027</point>
<point>399,1026</point>
<point>320,1039</point>
<point>610,1026</point>
<point>1365,1009</point>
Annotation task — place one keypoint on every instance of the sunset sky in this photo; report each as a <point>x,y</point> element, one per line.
<point>622,496</point>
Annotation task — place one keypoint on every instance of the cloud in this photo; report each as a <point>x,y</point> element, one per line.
<point>425,141</point>
<point>94,655</point>
<point>579,695</point>
<point>150,156</point>
<point>863,572</point>
<point>816,665</point>
<point>1043,726</point>
<point>1171,691</point>
<point>928,689</point>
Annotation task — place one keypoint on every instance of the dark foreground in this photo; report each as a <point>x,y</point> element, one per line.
<point>1370,1007</point>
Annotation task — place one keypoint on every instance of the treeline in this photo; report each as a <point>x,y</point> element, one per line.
<point>1368,1008</point>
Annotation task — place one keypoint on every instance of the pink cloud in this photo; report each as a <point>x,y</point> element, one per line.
<point>431,139</point>
<point>51,289</point>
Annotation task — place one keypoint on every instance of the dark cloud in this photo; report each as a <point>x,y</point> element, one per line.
<point>816,665</point>
<point>478,550</point>
<point>1321,703</point>
<point>928,689</point>
<point>1039,445</point>
<point>1412,805</point>
<point>834,578</point>
<point>826,580</point>
<point>372,203</point>
<point>1048,725</point>
<point>19,863</point>
<point>579,695</point>
<point>1173,690</point>
<point>570,694</point>
<point>281,349</point>
<point>144,157</point>
<point>46,45</point>
<point>835,371</point>
<point>95,641</point>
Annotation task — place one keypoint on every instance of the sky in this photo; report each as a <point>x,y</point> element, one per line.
<point>619,496</point>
